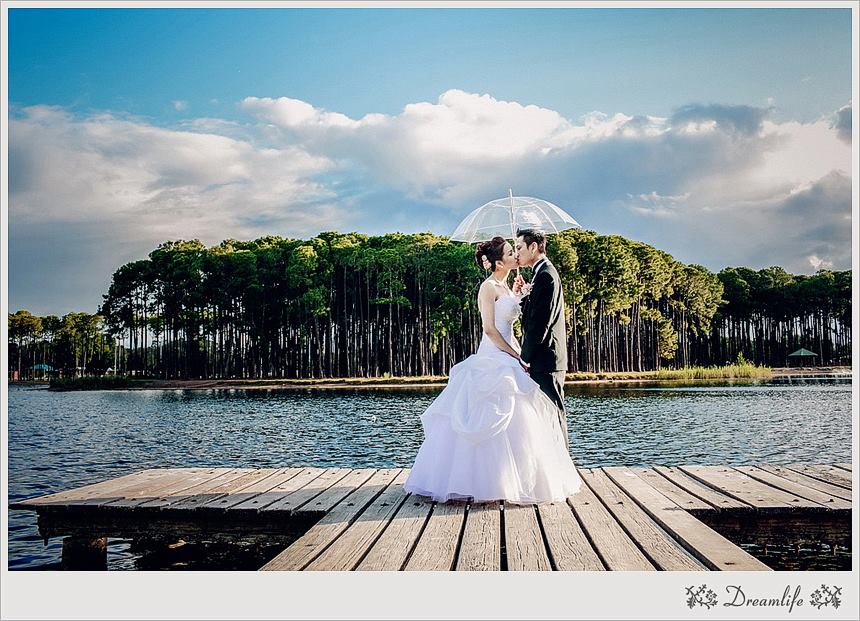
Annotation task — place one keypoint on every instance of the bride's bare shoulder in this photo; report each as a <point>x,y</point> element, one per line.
<point>489,283</point>
<point>488,289</point>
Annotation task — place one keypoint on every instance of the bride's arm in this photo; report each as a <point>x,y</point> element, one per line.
<point>486,302</point>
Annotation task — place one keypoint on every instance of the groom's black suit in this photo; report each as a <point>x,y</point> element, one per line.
<point>544,345</point>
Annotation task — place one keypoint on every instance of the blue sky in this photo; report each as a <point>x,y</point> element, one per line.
<point>641,61</point>
<point>685,128</point>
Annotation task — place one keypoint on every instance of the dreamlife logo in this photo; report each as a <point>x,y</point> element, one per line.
<point>822,597</point>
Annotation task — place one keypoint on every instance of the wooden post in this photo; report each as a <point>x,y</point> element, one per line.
<point>84,553</point>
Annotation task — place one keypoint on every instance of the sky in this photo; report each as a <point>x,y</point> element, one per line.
<point>722,136</point>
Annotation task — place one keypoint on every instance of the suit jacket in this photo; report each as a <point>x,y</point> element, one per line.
<point>544,345</point>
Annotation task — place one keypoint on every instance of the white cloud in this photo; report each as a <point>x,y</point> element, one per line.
<point>466,147</point>
<point>296,114</point>
<point>430,150</point>
<point>841,122</point>
<point>180,105</point>
<point>655,204</point>
<point>801,153</point>
<point>818,263</point>
<point>715,184</point>
<point>139,185</point>
<point>105,167</point>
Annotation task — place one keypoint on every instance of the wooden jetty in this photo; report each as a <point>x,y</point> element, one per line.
<point>624,518</point>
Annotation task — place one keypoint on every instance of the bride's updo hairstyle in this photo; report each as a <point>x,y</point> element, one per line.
<point>489,252</point>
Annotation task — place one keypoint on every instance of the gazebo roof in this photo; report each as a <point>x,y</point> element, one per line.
<point>803,352</point>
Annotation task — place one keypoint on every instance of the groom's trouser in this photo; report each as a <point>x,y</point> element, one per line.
<point>552,384</point>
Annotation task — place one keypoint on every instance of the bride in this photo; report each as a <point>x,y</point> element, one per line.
<point>492,433</point>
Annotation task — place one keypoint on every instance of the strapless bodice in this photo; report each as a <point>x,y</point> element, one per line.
<point>507,309</point>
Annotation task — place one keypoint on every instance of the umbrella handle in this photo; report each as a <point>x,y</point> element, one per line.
<point>513,224</point>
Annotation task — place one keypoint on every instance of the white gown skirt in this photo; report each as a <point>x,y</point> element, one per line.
<point>492,434</point>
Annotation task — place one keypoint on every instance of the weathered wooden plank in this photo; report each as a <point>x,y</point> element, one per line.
<point>714,550</point>
<point>280,491</point>
<point>331,477</point>
<point>828,500</point>
<point>278,477</point>
<point>844,466</point>
<point>391,550</point>
<point>822,486</point>
<point>569,548</point>
<point>307,547</point>
<point>182,483</point>
<point>168,476</point>
<point>615,548</point>
<point>716,499</point>
<point>347,550</point>
<point>335,493</point>
<point>524,546</point>
<point>226,487</point>
<point>87,491</point>
<point>481,547</point>
<point>654,542</point>
<point>671,490</point>
<point>165,500</point>
<point>436,549</point>
<point>826,473</point>
<point>742,487</point>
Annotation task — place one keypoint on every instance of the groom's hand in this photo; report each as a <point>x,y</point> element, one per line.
<point>518,284</point>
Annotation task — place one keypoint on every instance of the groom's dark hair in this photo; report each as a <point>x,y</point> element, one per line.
<point>531,236</point>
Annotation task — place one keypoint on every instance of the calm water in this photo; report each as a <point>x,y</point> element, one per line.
<point>62,440</point>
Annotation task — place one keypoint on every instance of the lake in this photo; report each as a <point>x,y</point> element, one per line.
<point>59,440</point>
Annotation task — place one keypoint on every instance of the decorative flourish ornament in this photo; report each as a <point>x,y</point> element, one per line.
<point>701,596</point>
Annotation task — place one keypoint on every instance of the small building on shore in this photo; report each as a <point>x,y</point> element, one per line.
<point>800,358</point>
<point>43,371</point>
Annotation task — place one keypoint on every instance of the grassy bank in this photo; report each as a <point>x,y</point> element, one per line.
<point>729,371</point>
<point>733,371</point>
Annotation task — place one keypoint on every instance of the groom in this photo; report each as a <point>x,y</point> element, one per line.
<point>544,346</point>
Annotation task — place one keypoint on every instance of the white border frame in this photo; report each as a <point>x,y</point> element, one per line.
<point>420,595</point>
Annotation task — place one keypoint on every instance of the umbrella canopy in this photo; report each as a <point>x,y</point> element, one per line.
<point>503,216</point>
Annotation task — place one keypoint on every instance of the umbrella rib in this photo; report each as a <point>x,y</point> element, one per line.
<point>548,219</point>
<point>469,219</point>
<point>489,226</point>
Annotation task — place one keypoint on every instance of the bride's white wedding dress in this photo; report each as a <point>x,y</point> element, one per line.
<point>491,433</point>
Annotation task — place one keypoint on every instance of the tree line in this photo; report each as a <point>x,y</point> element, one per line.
<point>76,343</point>
<point>352,305</point>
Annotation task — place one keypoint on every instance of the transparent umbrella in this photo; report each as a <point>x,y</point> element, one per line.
<point>503,216</point>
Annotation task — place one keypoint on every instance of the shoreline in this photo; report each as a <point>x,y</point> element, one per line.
<point>572,379</point>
